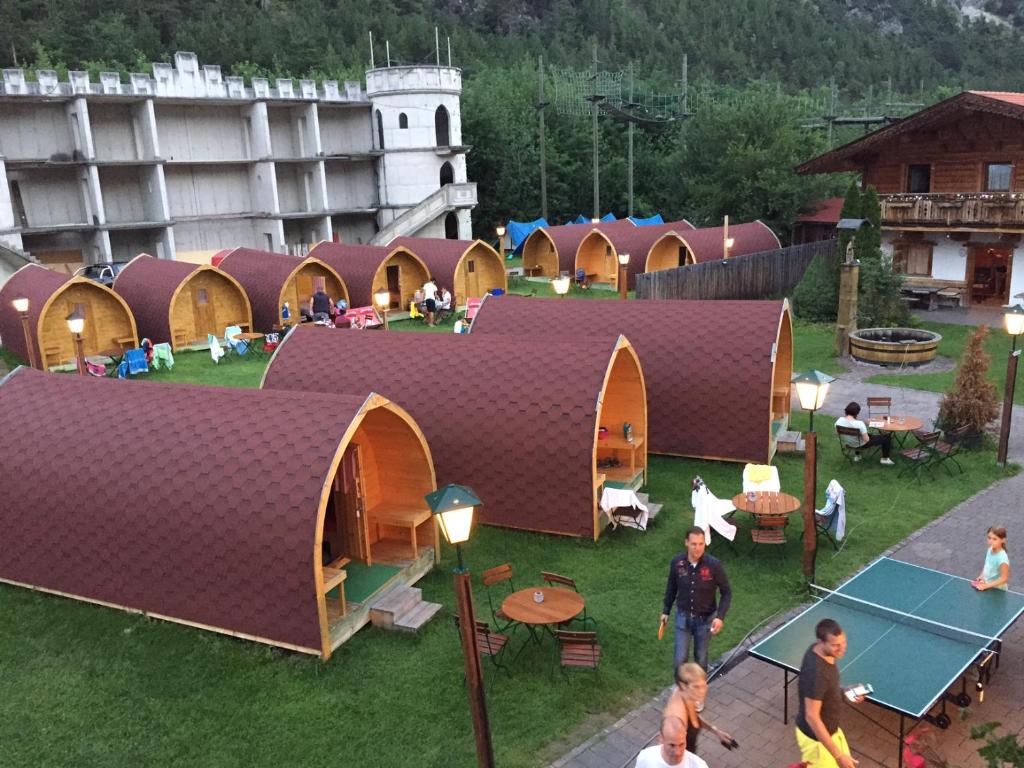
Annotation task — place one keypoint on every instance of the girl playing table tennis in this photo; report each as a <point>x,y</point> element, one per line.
<point>996,572</point>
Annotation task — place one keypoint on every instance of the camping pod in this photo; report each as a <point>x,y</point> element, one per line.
<point>598,252</point>
<point>470,268</point>
<point>718,372</point>
<point>109,324</point>
<point>181,303</point>
<point>271,279</point>
<point>232,510</point>
<point>371,268</point>
<point>517,420</point>
<point>551,251</point>
<point>708,244</point>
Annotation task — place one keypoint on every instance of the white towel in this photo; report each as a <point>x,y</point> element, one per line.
<point>835,504</point>
<point>613,498</point>
<point>709,511</point>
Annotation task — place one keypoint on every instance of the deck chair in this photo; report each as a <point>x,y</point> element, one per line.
<point>492,577</point>
<point>216,350</point>
<point>578,649</point>
<point>162,356</point>
<point>235,345</point>
<point>921,456</point>
<point>711,513</point>
<point>557,580</point>
<point>948,447</point>
<point>849,435</point>
<point>831,519</point>
<point>490,644</point>
<point>761,477</point>
<point>134,363</point>
<point>879,406</point>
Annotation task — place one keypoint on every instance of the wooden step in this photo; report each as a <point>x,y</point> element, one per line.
<point>394,603</point>
<point>416,617</point>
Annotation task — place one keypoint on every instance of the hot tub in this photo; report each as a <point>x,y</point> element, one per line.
<point>894,346</point>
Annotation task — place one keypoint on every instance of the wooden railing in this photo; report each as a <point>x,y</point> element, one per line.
<point>995,210</point>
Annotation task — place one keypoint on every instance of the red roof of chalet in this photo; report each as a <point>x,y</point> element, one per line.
<point>754,237</point>
<point>638,241</point>
<point>708,365</point>
<point>357,264</point>
<point>827,211</point>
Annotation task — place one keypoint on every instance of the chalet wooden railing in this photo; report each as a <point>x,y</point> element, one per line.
<point>995,210</point>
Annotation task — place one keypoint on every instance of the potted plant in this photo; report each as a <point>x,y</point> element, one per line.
<point>973,401</point>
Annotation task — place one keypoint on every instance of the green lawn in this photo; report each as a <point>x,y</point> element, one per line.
<point>90,686</point>
<point>954,337</point>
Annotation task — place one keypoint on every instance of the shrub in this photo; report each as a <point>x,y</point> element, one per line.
<point>973,401</point>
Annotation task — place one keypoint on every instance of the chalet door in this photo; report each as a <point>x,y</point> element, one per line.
<point>202,311</point>
<point>303,289</point>
<point>472,279</point>
<point>393,276</point>
<point>988,274</point>
<point>350,507</point>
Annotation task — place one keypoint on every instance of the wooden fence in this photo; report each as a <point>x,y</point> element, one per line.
<point>754,276</point>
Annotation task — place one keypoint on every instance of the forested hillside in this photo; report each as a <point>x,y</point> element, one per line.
<point>731,159</point>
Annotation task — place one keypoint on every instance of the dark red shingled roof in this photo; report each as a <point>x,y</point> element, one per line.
<point>263,275</point>
<point>514,419</point>
<point>567,238</point>
<point>194,503</point>
<point>827,211</point>
<point>148,285</point>
<point>708,364</point>
<point>357,264</point>
<point>637,242</point>
<point>706,243</point>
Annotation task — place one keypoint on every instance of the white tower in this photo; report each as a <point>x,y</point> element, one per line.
<point>417,123</point>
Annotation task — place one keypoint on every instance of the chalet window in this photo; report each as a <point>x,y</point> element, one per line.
<point>912,259</point>
<point>919,178</point>
<point>997,177</point>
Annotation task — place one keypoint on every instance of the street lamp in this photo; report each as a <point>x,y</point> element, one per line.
<point>501,239</point>
<point>1013,318</point>
<point>623,263</point>
<point>452,507</point>
<point>561,285</point>
<point>21,307</point>
<point>726,244</point>
<point>811,389</point>
<point>76,324</point>
<point>382,299</point>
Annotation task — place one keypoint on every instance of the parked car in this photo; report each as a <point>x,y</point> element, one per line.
<point>102,273</point>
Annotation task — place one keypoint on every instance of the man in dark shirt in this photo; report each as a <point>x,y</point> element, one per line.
<point>693,579</point>
<point>320,306</point>
<point>822,742</point>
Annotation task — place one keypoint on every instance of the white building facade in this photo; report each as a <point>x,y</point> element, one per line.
<point>187,162</point>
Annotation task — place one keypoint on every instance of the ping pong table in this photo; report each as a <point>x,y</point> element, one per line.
<point>912,633</point>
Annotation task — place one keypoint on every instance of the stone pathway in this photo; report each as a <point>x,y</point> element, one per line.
<point>747,700</point>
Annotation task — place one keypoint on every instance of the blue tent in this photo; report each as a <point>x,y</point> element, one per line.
<point>581,219</point>
<point>655,219</point>
<point>518,231</point>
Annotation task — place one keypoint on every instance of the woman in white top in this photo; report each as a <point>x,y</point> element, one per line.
<point>996,572</point>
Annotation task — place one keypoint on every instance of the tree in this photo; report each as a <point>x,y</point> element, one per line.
<point>972,402</point>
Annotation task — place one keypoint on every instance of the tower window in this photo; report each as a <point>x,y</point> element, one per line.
<point>403,120</point>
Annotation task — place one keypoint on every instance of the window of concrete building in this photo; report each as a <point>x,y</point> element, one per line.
<point>919,178</point>
<point>403,120</point>
<point>380,131</point>
<point>997,177</point>
<point>441,127</point>
<point>912,259</point>
<point>451,226</point>
<point>447,174</point>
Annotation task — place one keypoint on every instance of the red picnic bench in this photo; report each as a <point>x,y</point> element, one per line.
<point>359,317</point>
<point>472,306</point>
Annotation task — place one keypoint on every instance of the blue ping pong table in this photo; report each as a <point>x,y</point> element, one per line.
<point>912,633</point>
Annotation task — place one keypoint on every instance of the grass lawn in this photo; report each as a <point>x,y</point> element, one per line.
<point>90,686</point>
<point>954,338</point>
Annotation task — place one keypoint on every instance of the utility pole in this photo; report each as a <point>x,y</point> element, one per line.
<point>629,131</point>
<point>833,96</point>
<point>541,106</point>
<point>594,99</point>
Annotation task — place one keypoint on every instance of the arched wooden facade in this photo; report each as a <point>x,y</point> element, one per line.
<point>521,425</point>
<point>271,279</point>
<point>181,303</point>
<point>549,251</point>
<point>230,534</point>
<point>109,324</point>
<point>718,372</point>
<point>598,252</point>
<point>469,268</point>
<point>370,268</point>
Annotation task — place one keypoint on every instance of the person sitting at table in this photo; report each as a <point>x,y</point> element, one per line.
<point>320,306</point>
<point>850,421</point>
<point>581,278</point>
<point>444,302</point>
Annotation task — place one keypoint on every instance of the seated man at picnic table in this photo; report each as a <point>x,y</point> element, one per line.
<point>444,299</point>
<point>850,421</point>
<point>321,306</point>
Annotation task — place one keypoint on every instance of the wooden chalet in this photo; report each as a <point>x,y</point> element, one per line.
<point>952,195</point>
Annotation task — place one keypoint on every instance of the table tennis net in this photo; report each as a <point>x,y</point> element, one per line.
<point>965,636</point>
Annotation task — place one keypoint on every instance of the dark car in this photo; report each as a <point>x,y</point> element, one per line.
<point>102,273</point>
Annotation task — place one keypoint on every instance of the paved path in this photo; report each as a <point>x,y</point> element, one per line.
<point>747,701</point>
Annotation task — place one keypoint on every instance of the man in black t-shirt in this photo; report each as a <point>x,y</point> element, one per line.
<point>822,742</point>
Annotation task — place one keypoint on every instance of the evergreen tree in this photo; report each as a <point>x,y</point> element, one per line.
<point>973,401</point>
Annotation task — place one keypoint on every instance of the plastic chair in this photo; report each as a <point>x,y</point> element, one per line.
<point>216,350</point>
<point>237,345</point>
<point>134,363</point>
<point>162,356</point>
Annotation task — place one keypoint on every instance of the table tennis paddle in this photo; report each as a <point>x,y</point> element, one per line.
<point>661,630</point>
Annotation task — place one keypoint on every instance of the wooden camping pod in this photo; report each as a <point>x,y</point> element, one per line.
<point>182,303</point>
<point>471,268</point>
<point>549,251</point>
<point>109,324</point>
<point>707,244</point>
<point>718,372</point>
<point>371,268</point>
<point>598,252</point>
<point>271,279</point>
<point>230,536</point>
<point>521,424</point>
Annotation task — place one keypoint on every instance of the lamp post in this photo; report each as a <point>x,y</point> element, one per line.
<point>726,245</point>
<point>1013,318</point>
<point>76,324</point>
<point>561,285</point>
<point>452,507</point>
<point>21,307</point>
<point>382,299</point>
<point>811,389</point>
<point>500,230</point>
<point>623,263</point>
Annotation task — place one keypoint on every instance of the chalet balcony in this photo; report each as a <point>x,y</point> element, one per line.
<point>999,211</point>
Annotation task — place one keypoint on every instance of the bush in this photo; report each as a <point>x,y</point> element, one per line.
<point>816,296</point>
<point>880,305</point>
<point>973,401</point>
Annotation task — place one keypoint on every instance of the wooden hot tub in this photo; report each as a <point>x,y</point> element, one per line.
<point>894,346</point>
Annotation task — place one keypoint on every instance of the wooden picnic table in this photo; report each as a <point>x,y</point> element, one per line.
<point>560,605</point>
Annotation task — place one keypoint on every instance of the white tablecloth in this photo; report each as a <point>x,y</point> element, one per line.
<point>613,498</point>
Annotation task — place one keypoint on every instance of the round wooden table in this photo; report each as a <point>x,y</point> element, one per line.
<point>559,605</point>
<point>897,424</point>
<point>767,503</point>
